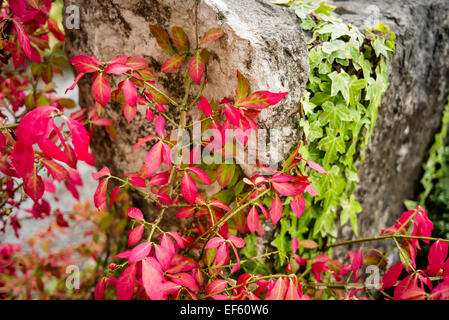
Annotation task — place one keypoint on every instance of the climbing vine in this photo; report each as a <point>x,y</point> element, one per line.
<point>348,76</point>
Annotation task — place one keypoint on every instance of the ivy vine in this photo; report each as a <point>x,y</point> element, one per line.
<point>348,76</point>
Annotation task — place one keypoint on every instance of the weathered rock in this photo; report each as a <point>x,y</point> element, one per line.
<point>263,41</point>
<point>411,109</point>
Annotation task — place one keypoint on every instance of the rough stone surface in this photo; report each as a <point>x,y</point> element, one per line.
<point>411,109</point>
<point>263,41</point>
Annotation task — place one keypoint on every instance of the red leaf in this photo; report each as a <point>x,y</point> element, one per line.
<point>260,100</point>
<point>278,291</point>
<point>114,195</point>
<point>160,126</point>
<point>100,288</point>
<point>75,82</point>
<point>292,292</point>
<point>164,256</point>
<point>84,64</point>
<point>160,179</point>
<point>125,284</point>
<point>117,68</point>
<point>153,159</point>
<point>392,275</point>
<point>152,279</point>
<point>135,214</point>
<point>216,286</point>
<point>80,138</point>
<point>57,171</point>
<point>100,194</point>
<point>356,259</point>
<point>204,106</point>
<point>219,204</point>
<point>236,241</point>
<point>51,150</point>
<point>252,219</point>
<point>298,205</point>
<point>185,212</point>
<point>188,188</point>
<point>129,111</point>
<point>135,235</point>
<point>232,114</point>
<point>214,243</point>
<point>140,251</point>
<point>212,35</point>
<point>173,63</point>
<point>101,89</point>
<point>162,38</point>
<point>196,68</point>
<point>136,63</point>
<point>35,125</point>
<point>180,39</point>
<point>437,255</point>
<point>23,38</point>
<point>284,189</point>
<point>129,92</point>
<point>185,280</point>
<point>103,172</point>
<point>33,185</point>
<point>276,210</point>
<point>202,176</point>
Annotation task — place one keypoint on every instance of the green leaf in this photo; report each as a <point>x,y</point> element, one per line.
<point>340,83</point>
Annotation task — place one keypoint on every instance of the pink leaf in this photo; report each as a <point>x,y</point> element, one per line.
<point>188,188</point>
<point>392,275</point>
<point>260,100</point>
<point>196,68</point>
<point>356,259</point>
<point>163,256</point>
<point>101,89</point>
<point>153,159</point>
<point>236,241</point>
<point>100,288</point>
<point>140,251</point>
<point>202,176</point>
<point>125,284</point>
<point>152,279</point>
<point>315,166</point>
<point>185,280</point>
<point>284,189</point>
<point>23,38</point>
<point>129,92</point>
<point>437,255</point>
<point>252,219</point>
<point>160,126</point>
<point>298,205</point>
<point>84,64</point>
<point>214,243</point>
<point>129,111</point>
<point>204,106</point>
<point>212,35</point>
<point>114,195</point>
<point>80,138</point>
<point>103,172</point>
<point>33,185</point>
<point>117,68</point>
<point>276,210</point>
<point>185,212</point>
<point>216,286</point>
<point>160,179</point>
<point>278,291</point>
<point>219,204</point>
<point>135,235</point>
<point>100,194</point>
<point>135,214</point>
<point>75,82</point>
